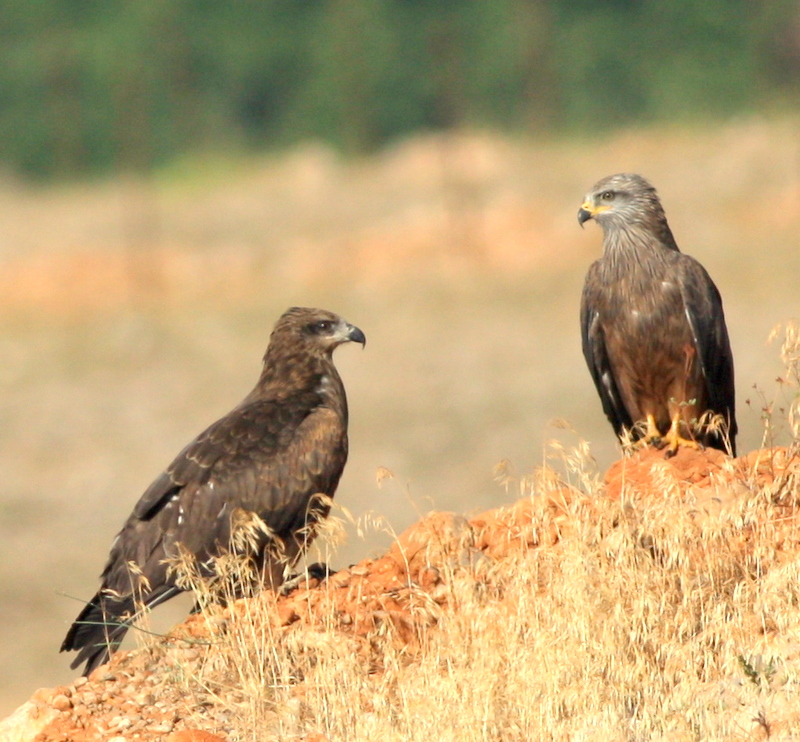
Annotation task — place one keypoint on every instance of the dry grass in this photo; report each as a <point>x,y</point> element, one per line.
<point>642,623</point>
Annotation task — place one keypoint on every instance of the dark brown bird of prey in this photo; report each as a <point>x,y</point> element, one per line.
<point>652,326</point>
<point>273,456</point>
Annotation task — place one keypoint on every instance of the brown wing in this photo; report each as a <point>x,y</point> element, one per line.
<point>704,313</point>
<point>595,352</point>
<point>269,457</point>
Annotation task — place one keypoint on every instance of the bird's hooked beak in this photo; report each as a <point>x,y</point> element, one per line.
<point>355,335</point>
<point>587,211</point>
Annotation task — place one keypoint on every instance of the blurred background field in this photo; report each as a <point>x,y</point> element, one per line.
<point>177,174</point>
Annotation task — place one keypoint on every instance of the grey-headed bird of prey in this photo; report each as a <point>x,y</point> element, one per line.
<point>652,326</point>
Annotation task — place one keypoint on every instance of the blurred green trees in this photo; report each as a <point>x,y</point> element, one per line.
<point>98,85</point>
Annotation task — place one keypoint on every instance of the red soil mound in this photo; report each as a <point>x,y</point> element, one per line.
<point>402,592</point>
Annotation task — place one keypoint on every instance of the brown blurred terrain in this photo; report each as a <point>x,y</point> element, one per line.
<point>136,312</point>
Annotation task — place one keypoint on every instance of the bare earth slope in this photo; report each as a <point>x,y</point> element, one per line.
<point>666,603</point>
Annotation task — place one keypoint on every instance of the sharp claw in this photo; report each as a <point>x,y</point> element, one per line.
<point>672,439</point>
<point>676,441</point>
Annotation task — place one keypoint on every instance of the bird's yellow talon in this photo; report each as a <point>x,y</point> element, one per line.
<point>675,440</point>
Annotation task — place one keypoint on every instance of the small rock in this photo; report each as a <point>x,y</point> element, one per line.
<point>120,723</point>
<point>162,728</point>
<point>61,702</point>
<point>43,695</point>
<point>340,579</point>
<point>89,698</point>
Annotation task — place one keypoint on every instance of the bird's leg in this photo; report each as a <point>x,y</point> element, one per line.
<point>652,436</point>
<point>673,437</point>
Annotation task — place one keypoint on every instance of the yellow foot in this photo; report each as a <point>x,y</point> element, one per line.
<point>652,436</point>
<point>674,440</point>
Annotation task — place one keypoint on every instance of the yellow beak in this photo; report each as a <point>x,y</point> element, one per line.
<point>589,210</point>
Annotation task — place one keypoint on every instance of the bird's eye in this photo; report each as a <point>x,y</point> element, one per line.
<point>323,327</point>
<point>607,195</point>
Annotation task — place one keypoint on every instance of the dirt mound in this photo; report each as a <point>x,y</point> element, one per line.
<point>400,595</point>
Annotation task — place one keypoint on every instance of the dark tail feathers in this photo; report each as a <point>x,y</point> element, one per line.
<point>102,624</point>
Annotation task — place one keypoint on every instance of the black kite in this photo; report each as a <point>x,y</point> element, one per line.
<point>273,455</point>
<point>652,326</point>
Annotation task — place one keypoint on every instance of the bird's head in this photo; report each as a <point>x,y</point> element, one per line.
<point>316,329</point>
<point>620,200</point>
<point>300,349</point>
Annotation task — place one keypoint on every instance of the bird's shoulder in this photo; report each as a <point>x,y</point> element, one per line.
<point>690,265</point>
<point>593,280</point>
<point>697,286</point>
<point>258,434</point>
<point>257,428</point>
